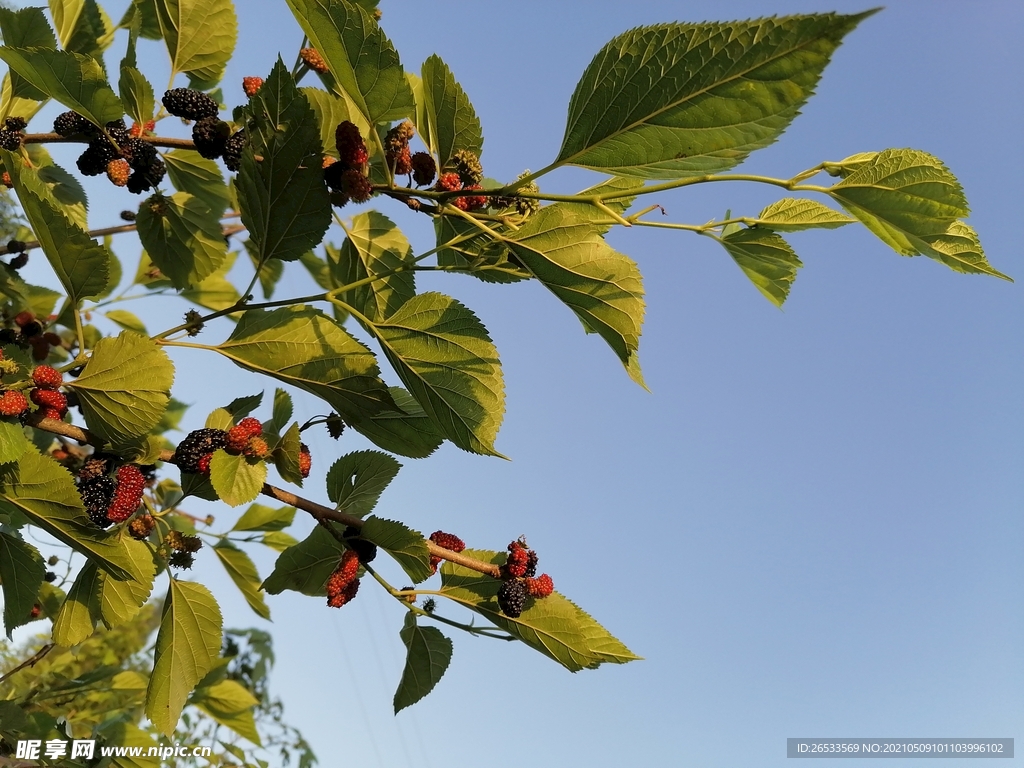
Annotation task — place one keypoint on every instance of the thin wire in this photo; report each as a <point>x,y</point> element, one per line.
<point>359,696</point>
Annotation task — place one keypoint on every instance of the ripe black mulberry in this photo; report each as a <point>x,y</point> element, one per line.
<point>189,104</point>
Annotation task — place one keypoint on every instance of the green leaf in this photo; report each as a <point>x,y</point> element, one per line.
<point>64,187</point>
<point>231,705</point>
<point>125,387</point>
<point>82,26</point>
<point>960,250</point>
<point>127,320</point>
<point>121,601</point>
<point>443,354</point>
<point>407,431</point>
<point>286,456</point>
<point>282,411</point>
<point>77,616</point>
<point>220,418</point>
<point>216,292</point>
<point>236,479</point>
<point>24,28</point>
<point>44,491</point>
<point>449,112</point>
<point>136,94</point>
<point>200,36</point>
<point>604,288</point>
<point>21,571</point>
<point>363,64</point>
<point>81,264</point>
<point>429,653</point>
<point>145,13</point>
<point>791,214</point>
<point>183,237</point>
<point>462,245</point>
<point>676,100</point>
<point>617,185</point>
<point>356,480</point>
<point>241,407</point>
<point>317,269</point>
<point>242,571</point>
<point>187,646</point>
<point>766,259</point>
<point>306,566</point>
<point>303,347</point>
<point>330,110</point>
<point>199,177</point>
<point>278,540</point>
<point>13,442</point>
<point>262,518</point>
<point>285,204</point>
<point>406,546</point>
<point>75,80</point>
<point>421,121</point>
<point>553,625</point>
<point>374,246</point>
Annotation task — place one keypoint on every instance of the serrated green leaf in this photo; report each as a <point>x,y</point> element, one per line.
<point>406,546</point>
<point>407,431</point>
<point>443,354</point>
<point>792,214</point>
<point>374,246</point>
<point>21,572</point>
<point>286,456</point>
<point>421,121</point>
<point>24,28</point>
<point>284,203</point>
<point>65,189</point>
<point>44,491</point>
<point>78,615</point>
<point>198,486</point>
<point>236,479</point>
<point>187,646</point>
<point>121,601</point>
<point>216,292</point>
<point>125,387</point>
<point>602,287</point>
<point>428,654</point>
<point>192,173</point>
<point>242,571</point>
<point>81,264</point>
<point>219,418</point>
<point>675,100</point>
<point>259,517</point>
<point>231,705</point>
<point>362,63</point>
<point>127,320</point>
<point>13,442</point>
<point>356,480</point>
<point>306,566</point>
<point>554,625</point>
<point>75,80</point>
<point>303,347</point>
<point>766,259</point>
<point>453,122</point>
<point>200,36</point>
<point>960,250</point>
<point>848,165</point>
<point>82,26</point>
<point>183,237</point>
<point>143,13</point>
<point>278,541</point>
<point>241,407</point>
<point>136,94</point>
<point>463,245</point>
<point>282,411</point>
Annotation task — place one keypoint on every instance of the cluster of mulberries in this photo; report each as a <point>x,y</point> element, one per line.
<point>13,403</point>
<point>190,104</point>
<point>30,333</point>
<point>233,150</point>
<point>346,177</point>
<point>196,449</point>
<point>314,60</point>
<point>110,498</point>
<point>140,527</point>
<point>521,580</point>
<point>16,247</point>
<point>343,583</point>
<point>447,541</point>
<point>524,206</point>
<point>183,548</point>
<point>210,136</point>
<point>53,404</point>
<point>246,438</point>
<point>119,152</point>
<point>396,148</point>
<point>12,133</point>
<point>462,172</point>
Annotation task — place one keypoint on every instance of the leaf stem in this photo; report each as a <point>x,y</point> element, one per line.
<point>31,661</point>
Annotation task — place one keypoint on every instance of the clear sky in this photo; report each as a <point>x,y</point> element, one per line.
<point>811,526</point>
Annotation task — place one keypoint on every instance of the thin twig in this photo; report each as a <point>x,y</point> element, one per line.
<point>56,138</point>
<point>31,661</point>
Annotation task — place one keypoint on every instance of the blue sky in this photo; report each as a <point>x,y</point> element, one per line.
<point>810,526</point>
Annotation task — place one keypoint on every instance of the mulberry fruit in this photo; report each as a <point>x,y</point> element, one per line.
<point>356,186</point>
<point>47,377</point>
<point>345,596</point>
<point>512,598</point>
<point>97,155</point>
<point>94,467</point>
<point>141,129</point>
<point>448,541</point>
<point>182,560</point>
<point>423,169</point>
<point>189,104</point>
<point>539,587</point>
<point>97,493</point>
<point>50,577</point>
<point>10,140</point>
<point>396,143</point>
<point>117,132</point>
<point>141,527</point>
<point>139,154</point>
<point>49,398</point>
<point>238,436</point>
<point>342,584</point>
<point>233,150</point>
<point>350,145</point>
<point>128,215</point>
<point>314,60</point>
<point>335,426</point>
<point>118,172</point>
<point>516,565</point>
<point>531,564</point>
<point>305,460</point>
<point>6,180</point>
<point>257,448</point>
<point>52,413</point>
<point>204,464</point>
<point>73,124</point>
<point>402,162</point>
<point>251,84</point>
<point>15,123</point>
<point>148,177</point>
<point>210,137</point>
<point>467,165</point>
<point>13,403</point>
<point>475,202</point>
<point>449,182</point>
<point>366,550</point>
<point>196,445</point>
<point>18,261</point>
<point>127,495</point>
<point>15,246</point>
<point>191,544</point>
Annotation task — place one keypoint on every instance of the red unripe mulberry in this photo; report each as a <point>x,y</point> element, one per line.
<point>314,60</point>
<point>305,460</point>
<point>351,147</point>
<point>127,495</point>
<point>47,377</point>
<point>13,403</point>
<point>49,398</point>
<point>449,182</point>
<point>542,586</point>
<point>251,84</point>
